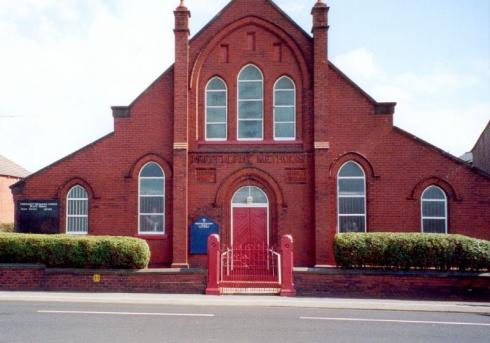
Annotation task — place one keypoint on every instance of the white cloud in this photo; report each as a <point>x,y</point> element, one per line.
<point>60,82</point>
<point>359,63</point>
<point>434,82</point>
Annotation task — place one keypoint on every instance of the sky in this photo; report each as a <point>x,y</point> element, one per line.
<point>64,63</point>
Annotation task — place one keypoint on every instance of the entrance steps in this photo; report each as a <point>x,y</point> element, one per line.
<point>249,287</point>
<point>250,291</point>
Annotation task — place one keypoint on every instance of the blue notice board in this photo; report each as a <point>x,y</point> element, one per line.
<point>200,231</point>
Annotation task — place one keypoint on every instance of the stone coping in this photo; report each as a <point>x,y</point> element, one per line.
<point>387,272</point>
<point>104,271</point>
<point>299,270</point>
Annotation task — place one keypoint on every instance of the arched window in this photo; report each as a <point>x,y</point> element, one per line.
<point>216,110</point>
<point>248,196</point>
<point>77,211</point>
<point>152,199</point>
<point>434,210</point>
<point>250,104</point>
<point>351,198</point>
<point>284,109</point>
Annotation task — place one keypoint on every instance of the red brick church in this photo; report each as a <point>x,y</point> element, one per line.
<point>253,131</point>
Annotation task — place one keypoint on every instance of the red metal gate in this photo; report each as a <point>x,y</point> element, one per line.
<point>250,269</point>
<point>256,268</point>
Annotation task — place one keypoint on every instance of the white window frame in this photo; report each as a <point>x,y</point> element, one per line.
<point>351,196</point>
<point>68,215</point>
<point>284,106</point>
<point>206,110</point>
<point>153,196</point>
<point>422,217</point>
<point>238,104</point>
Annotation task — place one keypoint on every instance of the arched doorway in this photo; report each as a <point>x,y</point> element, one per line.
<point>250,218</point>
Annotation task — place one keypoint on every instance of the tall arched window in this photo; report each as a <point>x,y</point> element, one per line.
<point>284,109</point>
<point>152,199</point>
<point>216,110</point>
<point>250,104</point>
<point>434,210</point>
<point>77,211</point>
<point>351,198</point>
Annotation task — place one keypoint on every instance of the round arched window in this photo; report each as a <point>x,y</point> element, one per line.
<point>250,195</point>
<point>250,104</point>
<point>77,211</point>
<point>434,210</point>
<point>152,199</point>
<point>351,198</point>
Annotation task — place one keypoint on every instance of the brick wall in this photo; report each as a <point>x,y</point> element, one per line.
<point>392,285</point>
<point>6,199</point>
<point>37,278</point>
<point>308,282</point>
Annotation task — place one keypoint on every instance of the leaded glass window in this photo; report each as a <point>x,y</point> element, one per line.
<point>351,198</point>
<point>250,104</point>
<point>152,199</point>
<point>77,211</point>
<point>216,110</point>
<point>284,109</point>
<point>434,210</point>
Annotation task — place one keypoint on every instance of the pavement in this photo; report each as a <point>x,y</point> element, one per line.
<point>250,301</point>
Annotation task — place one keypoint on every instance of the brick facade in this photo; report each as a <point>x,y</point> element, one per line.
<point>335,122</point>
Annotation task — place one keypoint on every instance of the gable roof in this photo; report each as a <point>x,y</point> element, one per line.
<point>272,3</point>
<point>442,152</point>
<point>9,168</point>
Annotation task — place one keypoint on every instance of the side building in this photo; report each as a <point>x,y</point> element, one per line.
<point>10,173</point>
<point>481,151</point>
<point>253,129</point>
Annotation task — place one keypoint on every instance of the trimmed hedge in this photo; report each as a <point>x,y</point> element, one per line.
<point>63,251</point>
<point>411,250</point>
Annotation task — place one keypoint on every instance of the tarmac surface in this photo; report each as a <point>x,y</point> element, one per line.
<point>250,301</point>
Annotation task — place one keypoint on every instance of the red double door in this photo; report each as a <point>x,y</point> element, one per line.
<point>250,227</point>
<point>251,263</point>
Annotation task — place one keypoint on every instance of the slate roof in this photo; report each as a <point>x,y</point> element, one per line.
<point>9,168</point>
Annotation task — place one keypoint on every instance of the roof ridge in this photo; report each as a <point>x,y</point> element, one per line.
<point>271,2</point>
<point>10,168</point>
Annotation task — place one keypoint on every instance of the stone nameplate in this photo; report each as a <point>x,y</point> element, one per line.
<point>248,159</point>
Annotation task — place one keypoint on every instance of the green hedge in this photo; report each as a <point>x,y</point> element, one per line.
<point>411,250</point>
<point>7,227</point>
<point>63,251</point>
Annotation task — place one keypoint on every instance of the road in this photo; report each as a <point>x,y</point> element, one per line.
<point>81,322</point>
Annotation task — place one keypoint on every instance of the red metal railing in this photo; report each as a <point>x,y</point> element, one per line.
<point>251,269</point>
<point>250,265</point>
